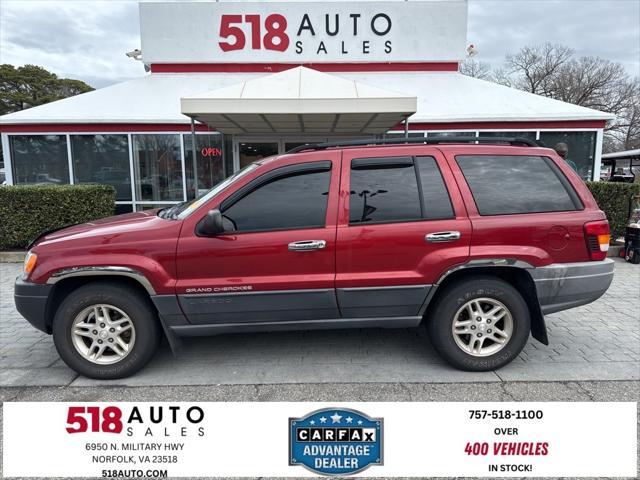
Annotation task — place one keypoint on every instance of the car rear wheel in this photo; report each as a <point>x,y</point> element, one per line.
<point>479,324</point>
<point>105,331</point>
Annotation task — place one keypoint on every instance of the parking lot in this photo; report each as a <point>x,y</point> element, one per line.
<point>600,341</point>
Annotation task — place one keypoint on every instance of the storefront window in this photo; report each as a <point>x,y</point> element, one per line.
<point>209,155</point>
<point>580,147</point>
<point>401,135</point>
<point>39,159</point>
<point>253,151</point>
<point>451,134</point>
<point>102,159</point>
<point>529,135</point>
<point>157,167</point>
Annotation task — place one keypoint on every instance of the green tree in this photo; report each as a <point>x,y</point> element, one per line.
<point>30,85</point>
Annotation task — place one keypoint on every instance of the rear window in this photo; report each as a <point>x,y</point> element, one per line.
<point>509,184</point>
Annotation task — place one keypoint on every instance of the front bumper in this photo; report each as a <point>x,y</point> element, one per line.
<point>31,301</point>
<point>567,285</point>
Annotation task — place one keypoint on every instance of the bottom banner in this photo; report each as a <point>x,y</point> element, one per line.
<point>140,439</point>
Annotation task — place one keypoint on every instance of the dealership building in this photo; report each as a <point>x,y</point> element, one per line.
<point>233,82</point>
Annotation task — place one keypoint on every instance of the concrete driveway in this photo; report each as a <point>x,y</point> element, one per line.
<point>600,341</point>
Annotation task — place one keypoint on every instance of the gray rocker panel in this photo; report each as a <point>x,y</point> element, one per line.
<point>400,301</point>
<point>251,307</point>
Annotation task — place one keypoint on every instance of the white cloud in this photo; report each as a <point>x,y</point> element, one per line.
<point>88,39</point>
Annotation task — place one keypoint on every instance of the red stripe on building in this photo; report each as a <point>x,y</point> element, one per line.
<point>102,127</point>
<point>533,125</point>
<point>322,67</point>
<point>185,127</point>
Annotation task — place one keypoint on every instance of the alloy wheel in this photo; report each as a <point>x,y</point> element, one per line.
<point>482,326</point>
<point>103,334</point>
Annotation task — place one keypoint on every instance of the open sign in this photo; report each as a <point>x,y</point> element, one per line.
<point>211,152</point>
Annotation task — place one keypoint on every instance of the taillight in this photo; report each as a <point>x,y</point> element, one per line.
<point>597,236</point>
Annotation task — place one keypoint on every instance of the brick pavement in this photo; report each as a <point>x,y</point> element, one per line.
<point>600,341</point>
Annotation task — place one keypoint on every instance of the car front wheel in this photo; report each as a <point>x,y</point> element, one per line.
<point>479,324</point>
<point>105,331</point>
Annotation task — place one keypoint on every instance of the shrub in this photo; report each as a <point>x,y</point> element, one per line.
<point>613,199</point>
<point>28,210</point>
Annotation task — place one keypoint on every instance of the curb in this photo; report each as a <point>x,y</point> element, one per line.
<point>614,250</point>
<point>12,257</point>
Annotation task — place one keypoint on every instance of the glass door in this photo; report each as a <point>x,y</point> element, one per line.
<point>251,150</point>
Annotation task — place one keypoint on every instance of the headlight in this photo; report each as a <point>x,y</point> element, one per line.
<point>29,263</point>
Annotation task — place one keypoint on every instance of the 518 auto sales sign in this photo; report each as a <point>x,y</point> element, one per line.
<point>303,32</point>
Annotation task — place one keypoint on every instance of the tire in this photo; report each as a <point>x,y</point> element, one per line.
<point>133,324</point>
<point>632,255</point>
<point>489,293</point>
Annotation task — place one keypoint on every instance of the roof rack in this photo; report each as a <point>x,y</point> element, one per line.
<point>514,141</point>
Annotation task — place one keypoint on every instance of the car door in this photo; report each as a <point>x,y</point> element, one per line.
<point>276,260</point>
<point>401,225</point>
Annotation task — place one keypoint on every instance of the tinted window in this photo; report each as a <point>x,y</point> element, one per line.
<point>289,202</point>
<point>102,159</point>
<point>39,159</point>
<point>383,192</point>
<point>515,184</point>
<point>435,197</point>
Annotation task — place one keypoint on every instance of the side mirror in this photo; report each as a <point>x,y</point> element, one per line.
<point>210,225</point>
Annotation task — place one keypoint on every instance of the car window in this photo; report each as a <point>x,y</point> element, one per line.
<point>383,190</point>
<point>509,184</point>
<point>291,201</point>
<point>435,197</point>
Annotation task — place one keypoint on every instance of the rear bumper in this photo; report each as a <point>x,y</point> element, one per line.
<point>567,285</point>
<point>31,302</point>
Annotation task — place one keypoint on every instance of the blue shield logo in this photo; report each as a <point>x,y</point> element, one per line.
<point>336,441</point>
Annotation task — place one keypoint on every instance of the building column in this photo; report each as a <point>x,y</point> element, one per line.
<point>597,158</point>
<point>6,154</point>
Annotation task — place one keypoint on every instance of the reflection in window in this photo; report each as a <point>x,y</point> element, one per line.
<point>508,184</point>
<point>435,197</point>
<point>210,163</point>
<point>294,201</point>
<point>580,147</point>
<point>102,159</point>
<point>39,159</point>
<point>385,193</point>
<point>158,167</point>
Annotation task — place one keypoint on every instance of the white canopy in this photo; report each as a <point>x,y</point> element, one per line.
<point>443,97</point>
<point>300,100</point>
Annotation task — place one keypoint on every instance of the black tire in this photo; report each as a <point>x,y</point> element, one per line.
<point>440,320</point>
<point>138,309</point>
<point>632,255</point>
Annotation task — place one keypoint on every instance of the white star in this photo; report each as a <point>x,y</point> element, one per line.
<point>359,422</point>
<point>349,419</point>
<point>323,420</point>
<point>335,418</point>
<point>312,422</point>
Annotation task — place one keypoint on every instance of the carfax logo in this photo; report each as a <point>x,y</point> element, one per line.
<point>336,441</point>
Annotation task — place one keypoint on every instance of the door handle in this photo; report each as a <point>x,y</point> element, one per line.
<point>438,237</point>
<point>306,245</point>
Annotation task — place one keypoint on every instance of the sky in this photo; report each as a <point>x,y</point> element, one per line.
<point>87,39</point>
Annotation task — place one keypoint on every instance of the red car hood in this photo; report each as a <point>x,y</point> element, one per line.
<point>105,226</point>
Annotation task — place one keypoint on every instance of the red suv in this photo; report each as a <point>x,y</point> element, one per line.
<point>477,242</point>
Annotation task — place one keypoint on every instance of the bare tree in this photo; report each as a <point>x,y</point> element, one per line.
<point>553,71</point>
<point>476,69</point>
<point>533,68</point>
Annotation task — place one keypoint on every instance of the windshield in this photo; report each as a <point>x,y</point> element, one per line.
<point>184,209</point>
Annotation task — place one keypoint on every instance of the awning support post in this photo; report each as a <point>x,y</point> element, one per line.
<point>195,159</point>
<point>406,127</point>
